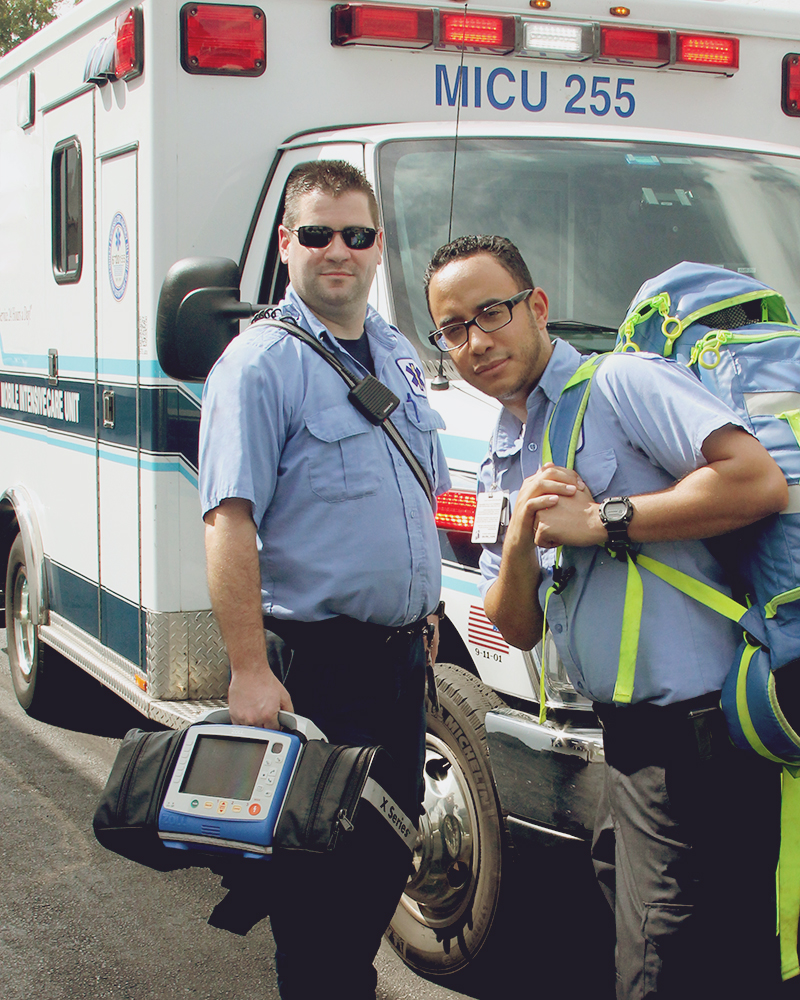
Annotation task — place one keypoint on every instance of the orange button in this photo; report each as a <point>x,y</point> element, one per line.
<point>254,809</point>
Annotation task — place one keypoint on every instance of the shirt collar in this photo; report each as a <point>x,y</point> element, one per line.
<point>563,363</point>
<point>376,326</point>
<point>508,433</point>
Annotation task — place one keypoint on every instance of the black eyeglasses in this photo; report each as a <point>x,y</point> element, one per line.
<point>317,237</point>
<point>490,319</point>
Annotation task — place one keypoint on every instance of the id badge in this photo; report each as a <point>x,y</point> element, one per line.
<point>491,514</point>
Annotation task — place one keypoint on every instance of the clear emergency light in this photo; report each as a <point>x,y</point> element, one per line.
<point>790,94</point>
<point>222,40</point>
<point>455,511</point>
<point>552,40</point>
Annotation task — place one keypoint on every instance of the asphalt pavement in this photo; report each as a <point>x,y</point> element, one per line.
<point>80,923</point>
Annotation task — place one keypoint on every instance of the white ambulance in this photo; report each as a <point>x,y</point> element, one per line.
<point>143,156</point>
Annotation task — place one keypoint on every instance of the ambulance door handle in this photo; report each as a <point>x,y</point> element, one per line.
<point>108,407</point>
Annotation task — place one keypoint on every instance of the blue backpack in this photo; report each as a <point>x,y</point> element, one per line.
<point>739,339</point>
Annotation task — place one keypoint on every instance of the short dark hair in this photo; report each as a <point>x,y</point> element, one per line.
<point>502,249</point>
<point>333,177</point>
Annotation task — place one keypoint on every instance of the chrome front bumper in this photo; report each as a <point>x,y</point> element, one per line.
<point>548,777</point>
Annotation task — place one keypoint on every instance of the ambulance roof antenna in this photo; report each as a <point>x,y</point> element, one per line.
<point>441,381</point>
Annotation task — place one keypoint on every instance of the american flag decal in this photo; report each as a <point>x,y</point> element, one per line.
<point>482,633</point>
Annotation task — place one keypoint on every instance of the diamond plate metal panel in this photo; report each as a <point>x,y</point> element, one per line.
<point>186,657</point>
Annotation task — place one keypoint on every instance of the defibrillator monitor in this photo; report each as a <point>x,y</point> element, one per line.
<point>227,789</point>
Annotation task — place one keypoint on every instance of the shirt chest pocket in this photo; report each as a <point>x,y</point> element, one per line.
<point>343,455</point>
<point>597,470</point>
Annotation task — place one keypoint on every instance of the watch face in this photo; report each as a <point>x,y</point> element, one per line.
<point>616,511</point>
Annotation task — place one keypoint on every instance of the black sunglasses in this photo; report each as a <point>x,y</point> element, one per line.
<point>317,237</point>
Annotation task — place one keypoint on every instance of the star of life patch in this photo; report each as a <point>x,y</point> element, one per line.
<point>413,374</point>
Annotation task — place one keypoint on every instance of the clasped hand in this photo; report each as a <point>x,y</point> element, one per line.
<point>554,508</point>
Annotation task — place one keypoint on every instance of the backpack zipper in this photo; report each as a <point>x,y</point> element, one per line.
<point>711,343</point>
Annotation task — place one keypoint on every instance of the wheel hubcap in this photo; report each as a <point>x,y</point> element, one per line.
<point>24,629</point>
<point>447,852</point>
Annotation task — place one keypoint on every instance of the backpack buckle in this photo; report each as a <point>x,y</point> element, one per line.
<point>561,577</point>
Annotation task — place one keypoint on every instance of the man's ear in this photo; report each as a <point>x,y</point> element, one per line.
<point>284,239</point>
<point>540,307</point>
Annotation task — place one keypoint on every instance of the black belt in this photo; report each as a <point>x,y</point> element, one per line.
<point>642,734</point>
<point>341,629</point>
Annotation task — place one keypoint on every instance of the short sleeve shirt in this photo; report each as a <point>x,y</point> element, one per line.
<point>644,428</point>
<point>344,528</point>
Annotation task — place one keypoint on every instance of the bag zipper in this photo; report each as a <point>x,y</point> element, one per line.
<point>354,788</point>
<point>327,770</point>
<point>129,772</point>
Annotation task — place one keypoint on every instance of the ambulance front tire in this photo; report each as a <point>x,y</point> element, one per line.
<point>27,655</point>
<point>444,919</point>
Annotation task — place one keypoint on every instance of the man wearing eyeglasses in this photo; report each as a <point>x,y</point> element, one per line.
<point>318,531</point>
<point>685,835</point>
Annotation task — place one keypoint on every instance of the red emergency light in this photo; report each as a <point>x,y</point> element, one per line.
<point>369,24</point>
<point>790,93</point>
<point>477,31</point>
<point>221,40</point>
<point>129,55</point>
<point>119,56</point>
<point>455,511</point>
<point>707,52</point>
<point>635,45</point>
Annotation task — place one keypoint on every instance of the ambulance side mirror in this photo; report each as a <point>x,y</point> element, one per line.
<point>198,315</point>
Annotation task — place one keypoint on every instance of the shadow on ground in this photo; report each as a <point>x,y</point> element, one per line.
<point>78,702</point>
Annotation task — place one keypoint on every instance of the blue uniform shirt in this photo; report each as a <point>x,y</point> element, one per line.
<point>344,528</point>
<point>644,427</point>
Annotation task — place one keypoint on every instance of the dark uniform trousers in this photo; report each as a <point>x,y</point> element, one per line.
<point>685,849</point>
<point>362,685</point>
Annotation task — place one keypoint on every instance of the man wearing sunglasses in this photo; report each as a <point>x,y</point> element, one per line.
<point>684,841</point>
<point>323,560</point>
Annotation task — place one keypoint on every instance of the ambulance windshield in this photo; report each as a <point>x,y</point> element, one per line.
<point>593,219</point>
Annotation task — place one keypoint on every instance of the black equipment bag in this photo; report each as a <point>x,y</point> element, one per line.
<point>126,818</point>
<point>322,802</point>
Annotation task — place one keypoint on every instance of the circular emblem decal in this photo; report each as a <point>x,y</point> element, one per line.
<point>119,256</point>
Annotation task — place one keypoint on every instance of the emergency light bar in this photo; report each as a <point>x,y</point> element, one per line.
<point>790,94</point>
<point>119,56</point>
<point>532,37</point>
<point>223,40</point>
<point>455,511</point>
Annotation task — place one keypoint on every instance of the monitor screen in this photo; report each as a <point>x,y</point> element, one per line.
<point>223,767</point>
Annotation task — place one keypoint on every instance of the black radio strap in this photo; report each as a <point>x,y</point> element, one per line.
<point>369,396</point>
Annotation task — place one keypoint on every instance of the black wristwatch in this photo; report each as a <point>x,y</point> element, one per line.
<point>616,514</point>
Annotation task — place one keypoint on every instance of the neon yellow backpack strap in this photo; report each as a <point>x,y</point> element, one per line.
<point>632,613</point>
<point>792,417</point>
<point>542,690</point>
<point>695,589</point>
<point>629,636</point>
<point>584,374</point>
<point>788,880</point>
